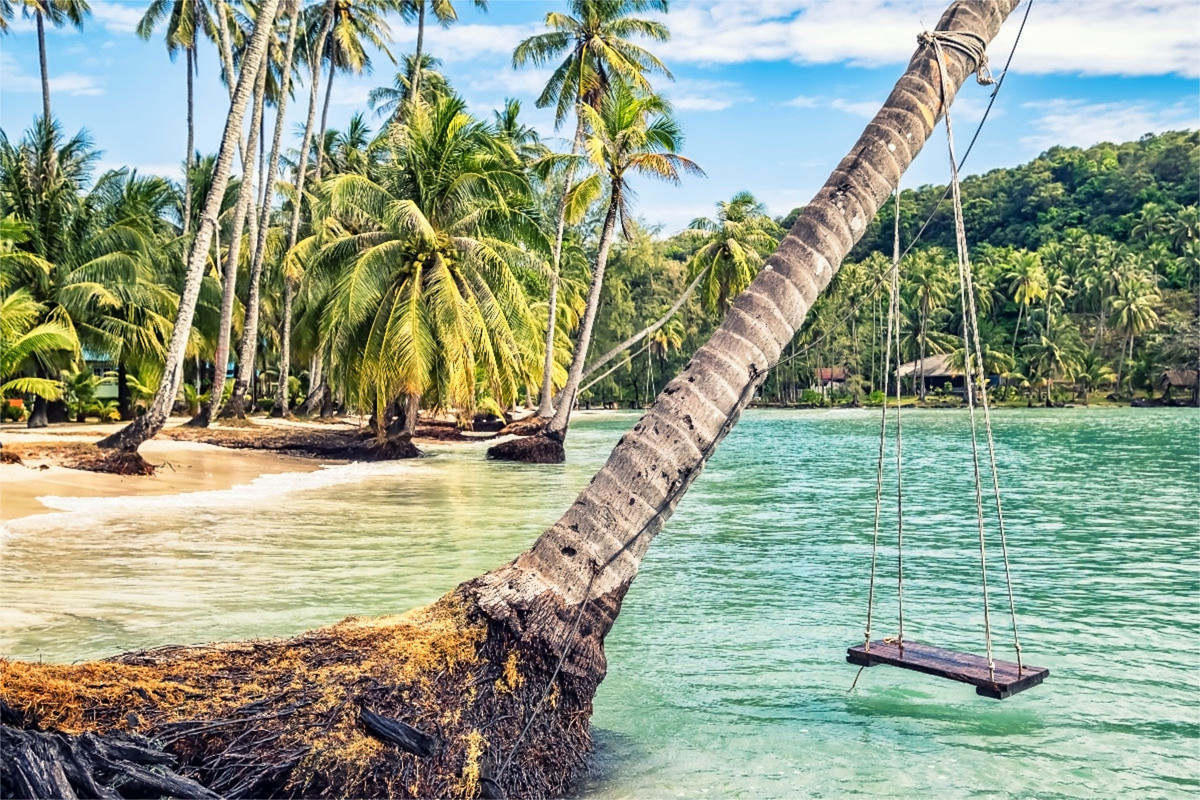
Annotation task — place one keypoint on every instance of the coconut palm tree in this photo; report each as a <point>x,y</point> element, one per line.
<point>244,213</point>
<point>1092,373</point>
<point>596,38</point>
<point>1054,356</point>
<point>1133,312</point>
<point>1153,222</point>
<point>730,251</point>
<point>446,15</point>
<point>28,337</point>
<point>929,287</point>
<point>422,264</point>
<point>351,28</point>
<point>184,20</point>
<point>58,13</point>
<point>1027,285</point>
<point>386,101</point>
<point>733,247</point>
<point>1185,227</point>
<point>146,426</point>
<point>630,134</point>
<point>84,257</point>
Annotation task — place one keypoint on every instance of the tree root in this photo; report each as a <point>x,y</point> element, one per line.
<point>426,704</point>
<point>391,449</point>
<point>83,455</point>
<point>116,765</point>
<point>529,426</point>
<point>538,449</point>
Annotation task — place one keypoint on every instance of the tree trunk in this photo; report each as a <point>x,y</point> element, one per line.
<point>124,399</point>
<point>248,347</point>
<point>39,416</point>
<point>191,141</point>
<point>281,395</point>
<point>324,123</point>
<point>921,364</point>
<point>414,87</point>
<point>1017,330</point>
<point>546,406</point>
<point>243,213</point>
<point>316,384</point>
<point>41,33</point>
<point>285,352</point>
<point>146,426</point>
<point>547,447</point>
<point>504,669</point>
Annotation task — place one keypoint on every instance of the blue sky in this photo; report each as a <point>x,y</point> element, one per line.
<point>771,93</point>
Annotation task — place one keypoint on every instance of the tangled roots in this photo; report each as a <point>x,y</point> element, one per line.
<point>537,449</point>
<point>425,704</point>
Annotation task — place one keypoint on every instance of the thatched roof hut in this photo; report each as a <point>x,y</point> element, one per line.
<point>1178,379</point>
<point>932,367</point>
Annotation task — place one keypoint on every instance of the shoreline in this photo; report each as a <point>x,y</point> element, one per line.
<point>185,468</point>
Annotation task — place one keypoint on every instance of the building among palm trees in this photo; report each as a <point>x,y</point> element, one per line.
<point>937,371</point>
<point>1181,381</point>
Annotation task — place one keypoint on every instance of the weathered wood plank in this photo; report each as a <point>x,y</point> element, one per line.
<point>962,667</point>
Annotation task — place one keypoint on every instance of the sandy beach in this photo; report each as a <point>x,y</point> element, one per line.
<point>182,467</point>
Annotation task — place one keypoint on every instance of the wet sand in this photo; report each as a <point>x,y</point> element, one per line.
<point>182,467</point>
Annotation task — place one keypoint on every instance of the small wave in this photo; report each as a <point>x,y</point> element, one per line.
<point>263,489</point>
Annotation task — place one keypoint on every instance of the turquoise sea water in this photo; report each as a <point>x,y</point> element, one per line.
<point>726,668</point>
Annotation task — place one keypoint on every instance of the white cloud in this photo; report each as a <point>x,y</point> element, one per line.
<point>71,83</point>
<point>118,17</point>
<point>527,81</point>
<point>858,108</point>
<point>1099,37</point>
<point>803,101</point>
<point>465,42</point>
<point>705,95</point>
<point>1077,122</point>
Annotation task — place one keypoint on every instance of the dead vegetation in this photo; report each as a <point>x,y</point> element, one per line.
<point>77,455</point>
<point>426,704</point>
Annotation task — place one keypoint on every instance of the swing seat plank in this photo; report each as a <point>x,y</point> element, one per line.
<point>963,667</point>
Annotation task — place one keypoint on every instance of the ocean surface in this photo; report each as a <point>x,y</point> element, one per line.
<point>727,673</point>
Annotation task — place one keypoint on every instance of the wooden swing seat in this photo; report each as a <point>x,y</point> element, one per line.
<point>963,667</point>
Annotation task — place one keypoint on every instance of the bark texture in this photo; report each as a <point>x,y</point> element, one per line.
<point>502,671</point>
<point>146,426</point>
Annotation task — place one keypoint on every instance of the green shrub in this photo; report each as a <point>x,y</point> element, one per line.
<point>811,397</point>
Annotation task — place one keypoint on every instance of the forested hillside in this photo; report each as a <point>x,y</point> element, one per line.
<point>1087,264</point>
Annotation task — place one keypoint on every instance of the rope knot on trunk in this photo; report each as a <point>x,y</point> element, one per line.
<point>969,44</point>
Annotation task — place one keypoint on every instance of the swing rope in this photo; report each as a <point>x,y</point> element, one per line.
<point>974,48</point>
<point>892,322</point>
<point>972,348</point>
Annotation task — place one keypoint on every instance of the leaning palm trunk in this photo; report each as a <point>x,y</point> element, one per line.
<point>243,211</point>
<point>191,139</point>
<point>591,369</point>
<point>146,426</point>
<point>546,447</point>
<point>495,681</point>
<point>546,406</point>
